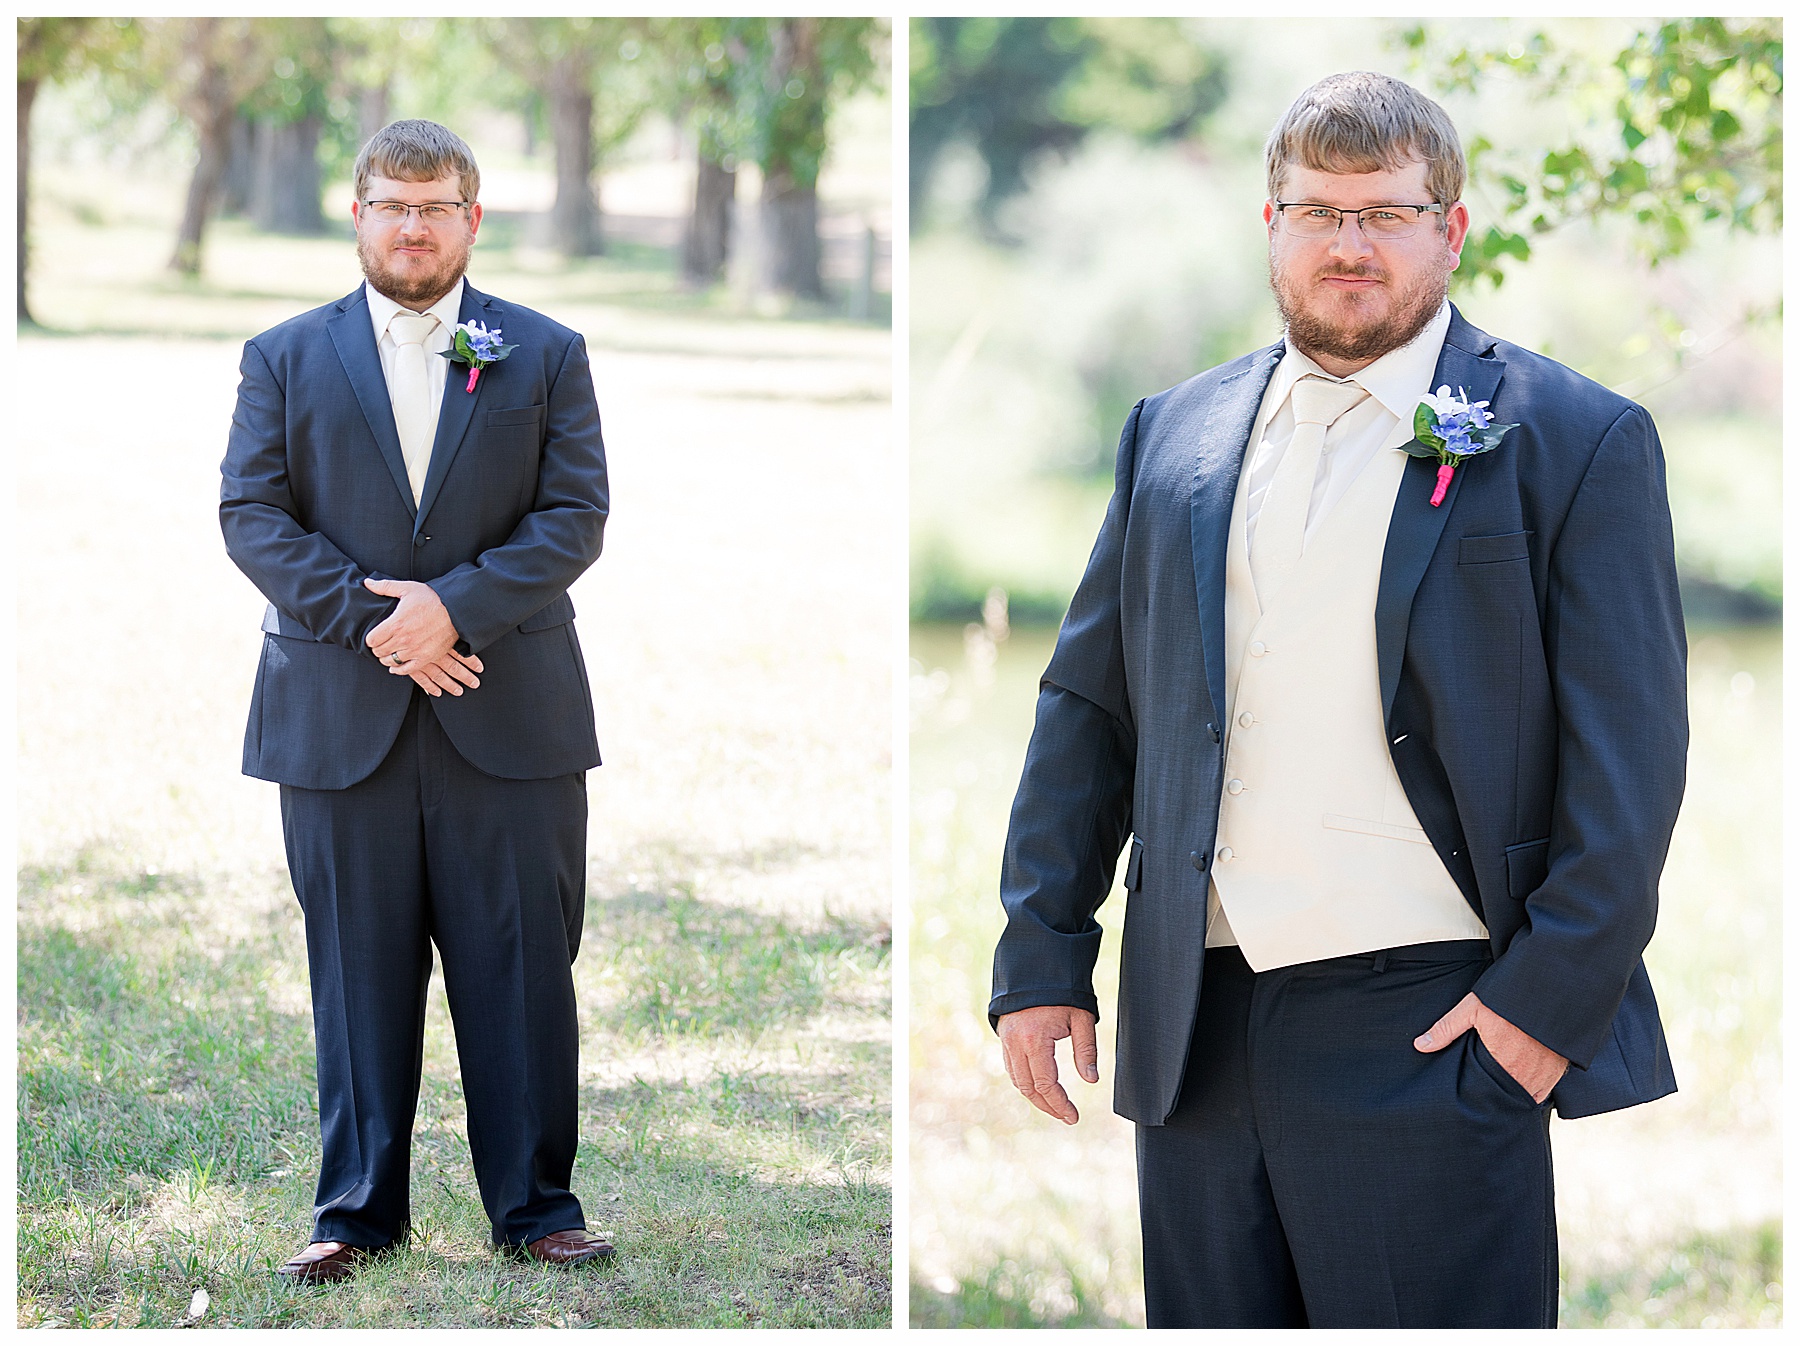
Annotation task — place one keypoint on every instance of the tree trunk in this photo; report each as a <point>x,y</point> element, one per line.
<point>706,243</point>
<point>575,218</point>
<point>285,199</point>
<point>790,197</point>
<point>28,89</point>
<point>238,185</point>
<point>371,112</point>
<point>213,110</point>
<point>791,237</point>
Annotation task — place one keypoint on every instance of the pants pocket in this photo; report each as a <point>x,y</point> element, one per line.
<point>1498,1073</point>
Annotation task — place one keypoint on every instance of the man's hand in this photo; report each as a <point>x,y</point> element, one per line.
<point>450,674</point>
<point>1028,1039</point>
<point>417,634</point>
<point>1530,1062</point>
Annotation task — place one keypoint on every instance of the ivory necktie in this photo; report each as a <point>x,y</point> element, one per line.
<point>411,396</point>
<point>1281,523</point>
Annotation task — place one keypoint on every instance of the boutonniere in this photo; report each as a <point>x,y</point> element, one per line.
<point>476,347</point>
<point>1451,429</point>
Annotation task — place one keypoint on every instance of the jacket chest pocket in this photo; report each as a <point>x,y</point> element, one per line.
<point>1493,551</point>
<point>510,441</point>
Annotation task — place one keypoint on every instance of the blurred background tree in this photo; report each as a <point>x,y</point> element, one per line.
<point>277,108</point>
<point>1682,130</point>
<point>49,50</point>
<point>1015,88</point>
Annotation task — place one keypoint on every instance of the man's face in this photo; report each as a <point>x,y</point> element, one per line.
<point>414,262</point>
<point>1349,299</point>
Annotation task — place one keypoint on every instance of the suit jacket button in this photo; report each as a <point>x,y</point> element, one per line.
<point>421,539</point>
<point>1199,859</point>
<point>1213,729</point>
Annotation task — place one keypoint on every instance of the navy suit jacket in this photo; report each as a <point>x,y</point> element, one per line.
<point>1533,682</point>
<point>315,499</point>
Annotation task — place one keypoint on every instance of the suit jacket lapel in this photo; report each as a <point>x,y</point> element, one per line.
<point>1415,527</point>
<point>354,337</point>
<point>1231,414</point>
<point>458,411</point>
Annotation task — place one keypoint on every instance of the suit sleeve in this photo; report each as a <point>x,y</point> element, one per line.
<point>560,537</point>
<point>1073,808</point>
<point>301,572</point>
<point>1617,653</point>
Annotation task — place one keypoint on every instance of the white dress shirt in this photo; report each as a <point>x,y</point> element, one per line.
<point>1395,383</point>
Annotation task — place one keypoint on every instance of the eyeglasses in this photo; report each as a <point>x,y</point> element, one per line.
<point>431,212</point>
<point>1308,219</point>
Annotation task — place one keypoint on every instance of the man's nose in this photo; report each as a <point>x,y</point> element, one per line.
<point>1350,240</point>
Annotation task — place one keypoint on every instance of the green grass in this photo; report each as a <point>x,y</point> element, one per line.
<point>734,1120</point>
<point>1731,1278</point>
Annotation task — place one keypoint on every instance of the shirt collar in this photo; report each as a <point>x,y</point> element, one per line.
<point>1397,380</point>
<point>382,309</point>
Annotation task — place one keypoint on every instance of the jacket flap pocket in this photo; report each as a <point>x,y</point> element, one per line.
<point>277,623</point>
<point>1393,831</point>
<point>515,416</point>
<point>1527,865</point>
<point>1134,867</point>
<point>1481,551</point>
<point>554,613</point>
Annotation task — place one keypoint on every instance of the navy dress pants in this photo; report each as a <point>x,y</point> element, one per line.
<point>1319,1171</point>
<point>428,850</point>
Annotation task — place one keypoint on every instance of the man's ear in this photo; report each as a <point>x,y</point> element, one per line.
<point>1456,231</point>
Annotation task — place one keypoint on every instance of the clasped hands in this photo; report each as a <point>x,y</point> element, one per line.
<point>418,640</point>
<point>1028,1039</point>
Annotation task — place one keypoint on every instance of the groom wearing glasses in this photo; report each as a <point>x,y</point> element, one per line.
<point>422,701</point>
<point>1397,730</point>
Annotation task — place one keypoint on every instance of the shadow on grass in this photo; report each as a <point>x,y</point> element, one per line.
<point>167,1136</point>
<point>676,965</point>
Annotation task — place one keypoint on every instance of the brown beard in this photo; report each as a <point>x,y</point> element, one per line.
<point>423,290</point>
<point>1314,335</point>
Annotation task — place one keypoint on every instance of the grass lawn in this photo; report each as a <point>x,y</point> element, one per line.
<point>732,1120</point>
<point>734,977</point>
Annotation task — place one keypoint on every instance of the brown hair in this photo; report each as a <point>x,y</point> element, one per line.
<point>1362,122</point>
<point>417,151</point>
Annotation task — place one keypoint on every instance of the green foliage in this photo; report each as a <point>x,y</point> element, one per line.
<point>1016,88</point>
<point>52,49</point>
<point>803,64</point>
<point>1686,134</point>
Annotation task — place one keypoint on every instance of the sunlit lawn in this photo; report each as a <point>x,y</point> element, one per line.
<point>1670,1214</point>
<point>734,976</point>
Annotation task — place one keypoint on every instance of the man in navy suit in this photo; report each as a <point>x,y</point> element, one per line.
<point>1398,767</point>
<point>415,525</point>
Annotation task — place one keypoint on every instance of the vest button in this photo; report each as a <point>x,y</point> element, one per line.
<point>1199,859</point>
<point>1246,719</point>
<point>1258,649</point>
<point>1235,787</point>
<point>1224,854</point>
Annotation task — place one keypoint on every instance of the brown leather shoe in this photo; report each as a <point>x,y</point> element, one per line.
<point>318,1263</point>
<point>566,1247</point>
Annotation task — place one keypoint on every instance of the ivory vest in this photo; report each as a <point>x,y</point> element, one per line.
<point>1319,854</point>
